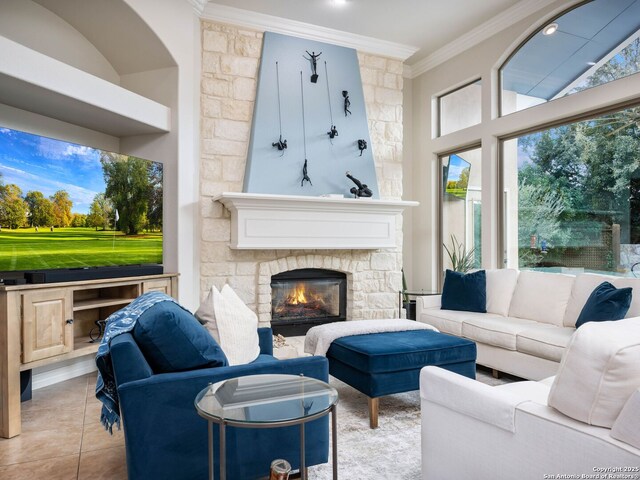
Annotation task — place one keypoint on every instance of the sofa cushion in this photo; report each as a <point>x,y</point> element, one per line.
<point>606,302</point>
<point>500,286</point>
<point>398,351</point>
<point>634,283</point>
<point>627,426</point>
<point>583,286</point>
<point>495,330</point>
<point>450,321</point>
<point>542,297</point>
<point>599,371</point>
<point>172,339</point>
<point>465,291</point>
<point>529,391</point>
<point>545,341</point>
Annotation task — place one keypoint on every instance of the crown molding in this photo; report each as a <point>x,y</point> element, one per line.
<point>198,6</point>
<point>264,22</point>
<point>510,16</point>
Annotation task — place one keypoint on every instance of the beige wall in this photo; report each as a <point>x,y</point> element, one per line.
<point>230,58</point>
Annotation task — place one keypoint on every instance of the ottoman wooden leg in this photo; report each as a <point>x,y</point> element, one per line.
<point>373,412</point>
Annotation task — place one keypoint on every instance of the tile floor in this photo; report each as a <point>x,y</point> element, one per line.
<point>62,438</point>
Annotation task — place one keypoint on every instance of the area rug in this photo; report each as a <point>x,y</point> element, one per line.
<point>393,449</point>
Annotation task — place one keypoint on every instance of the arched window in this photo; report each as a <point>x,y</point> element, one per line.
<point>592,44</point>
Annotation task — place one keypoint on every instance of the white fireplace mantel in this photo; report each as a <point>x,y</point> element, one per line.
<point>265,221</point>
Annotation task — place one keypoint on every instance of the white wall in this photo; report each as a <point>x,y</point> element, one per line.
<point>483,61</point>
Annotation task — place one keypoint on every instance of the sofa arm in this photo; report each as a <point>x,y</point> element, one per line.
<point>128,360</point>
<point>469,397</point>
<point>427,301</point>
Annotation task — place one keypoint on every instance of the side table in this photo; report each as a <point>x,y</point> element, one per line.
<point>248,402</point>
<point>403,293</point>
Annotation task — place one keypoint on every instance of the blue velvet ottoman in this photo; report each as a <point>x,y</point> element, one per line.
<point>379,364</point>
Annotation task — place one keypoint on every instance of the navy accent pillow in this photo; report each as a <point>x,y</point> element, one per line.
<point>172,340</point>
<point>465,292</point>
<point>606,302</point>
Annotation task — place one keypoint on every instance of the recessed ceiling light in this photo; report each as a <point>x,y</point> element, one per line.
<point>550,29</point>
<point>338,3</point>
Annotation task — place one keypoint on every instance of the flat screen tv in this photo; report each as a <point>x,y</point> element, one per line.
<point>457,177</point>
<point>66,207</point>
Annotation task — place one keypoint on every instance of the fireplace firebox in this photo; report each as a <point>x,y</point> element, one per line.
<point>301,299</point>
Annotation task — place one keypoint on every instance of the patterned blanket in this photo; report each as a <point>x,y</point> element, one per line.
<point>122,321</point>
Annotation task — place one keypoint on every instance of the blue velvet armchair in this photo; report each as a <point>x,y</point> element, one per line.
<point>166,438</point>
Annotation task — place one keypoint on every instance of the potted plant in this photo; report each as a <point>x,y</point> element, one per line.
<point>461,259</point>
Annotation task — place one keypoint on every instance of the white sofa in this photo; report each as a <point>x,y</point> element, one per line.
<point>580,424</point>
<point>529,321</point>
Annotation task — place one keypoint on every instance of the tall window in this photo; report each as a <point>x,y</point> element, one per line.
<point>460,108</point>
<point>461,202</point>
<point>572,196</point>
<point>590,45</point>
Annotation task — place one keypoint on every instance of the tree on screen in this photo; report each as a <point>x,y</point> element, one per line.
<point>129,188</point>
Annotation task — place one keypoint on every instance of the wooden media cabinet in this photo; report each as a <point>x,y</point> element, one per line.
<point>42,324</point>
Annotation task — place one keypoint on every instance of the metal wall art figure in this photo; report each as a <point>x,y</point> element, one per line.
<point>280,144</point>
<point>361,189</point>
<point>333,131</point>
<point>305,174</point>
<point>362,145</point>
<point>347,102</point>
<point>314,65</point>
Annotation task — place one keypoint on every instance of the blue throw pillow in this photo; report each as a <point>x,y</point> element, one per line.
<point>465,292</point>
<point>606,302</point>
<point>172,340</point>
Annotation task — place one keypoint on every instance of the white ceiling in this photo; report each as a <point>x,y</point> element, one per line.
<point>428,25</point>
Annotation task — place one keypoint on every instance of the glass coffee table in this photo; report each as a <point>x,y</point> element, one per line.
<point>267,401</point>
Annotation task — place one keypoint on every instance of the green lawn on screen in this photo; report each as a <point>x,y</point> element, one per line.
<point>26,249</point>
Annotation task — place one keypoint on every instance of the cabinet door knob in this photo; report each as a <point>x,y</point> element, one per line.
<point>70,321</point>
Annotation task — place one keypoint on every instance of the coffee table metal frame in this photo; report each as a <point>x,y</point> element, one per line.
<point>223,423</point>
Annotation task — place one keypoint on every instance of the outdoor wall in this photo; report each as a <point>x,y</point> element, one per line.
<point>230,59</point>
<point>482,61</point>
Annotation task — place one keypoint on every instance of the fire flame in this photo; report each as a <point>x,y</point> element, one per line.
<point>297,295</point>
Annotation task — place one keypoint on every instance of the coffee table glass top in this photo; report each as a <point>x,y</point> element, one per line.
<point>265,399</point>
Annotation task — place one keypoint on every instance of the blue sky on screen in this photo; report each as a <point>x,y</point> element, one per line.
<point>456,165</point>
<point>46,165</point>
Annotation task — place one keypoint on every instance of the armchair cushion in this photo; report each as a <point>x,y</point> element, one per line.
<point>627,425</point>
<point>606,302</point>
<point>172,340</point>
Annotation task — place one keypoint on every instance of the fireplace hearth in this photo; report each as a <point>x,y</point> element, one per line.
<point>301,299</point>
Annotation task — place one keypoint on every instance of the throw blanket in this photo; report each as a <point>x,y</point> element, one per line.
<point>318,339</point>
<point>122,321</point>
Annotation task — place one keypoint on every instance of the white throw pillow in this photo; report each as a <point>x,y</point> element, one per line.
<point>500,286</point>
<point>599,371</point>
<point>237,327</point>
<point>542,297</point>
<point>207,315</point>
<point>634,283</point>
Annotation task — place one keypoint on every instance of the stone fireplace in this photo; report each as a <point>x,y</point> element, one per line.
<point>303,298</point>
<point>373,275</point>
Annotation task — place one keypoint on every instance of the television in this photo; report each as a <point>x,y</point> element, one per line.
<point>73,212</point>
<point>457,177</point>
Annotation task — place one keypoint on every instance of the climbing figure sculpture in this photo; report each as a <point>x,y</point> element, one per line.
<point>362,189</point>
<point>347,102</point>
<point>314,65</point>
<point>305,175</point>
